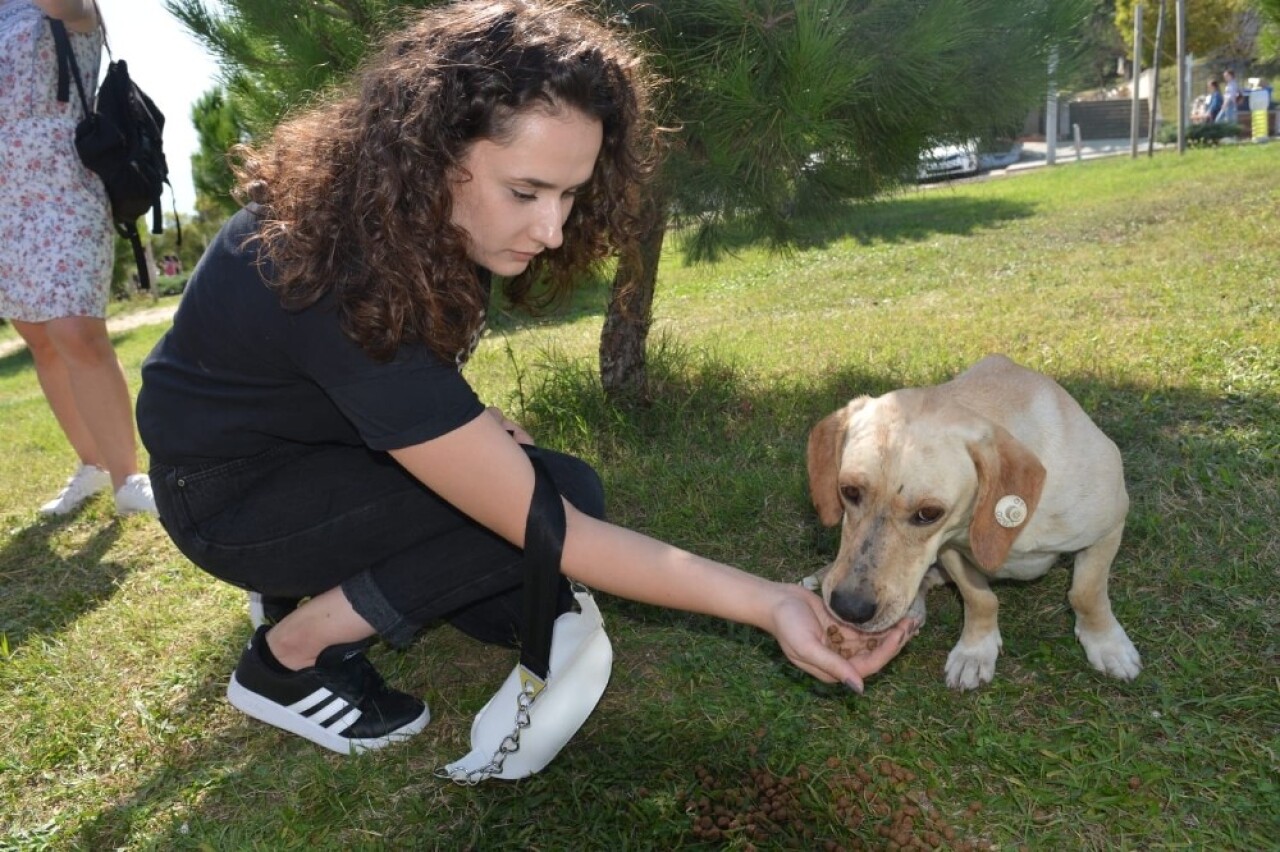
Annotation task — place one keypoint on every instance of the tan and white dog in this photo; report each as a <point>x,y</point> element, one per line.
<point>992,475</point>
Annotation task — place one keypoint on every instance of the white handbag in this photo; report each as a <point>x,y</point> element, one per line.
<point>528,721</point>
<point>564,667</point>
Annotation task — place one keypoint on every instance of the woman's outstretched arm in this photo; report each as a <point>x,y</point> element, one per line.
<point>480,469</point>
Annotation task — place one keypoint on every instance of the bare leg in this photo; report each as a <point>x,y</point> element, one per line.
<point>99,392</point>
<point>325,620</point>
<point>55,382</point>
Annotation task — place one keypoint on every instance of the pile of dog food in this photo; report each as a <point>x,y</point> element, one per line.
<point>881,806</point>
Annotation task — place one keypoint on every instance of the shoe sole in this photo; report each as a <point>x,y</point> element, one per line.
<point>60,509</point>
<point>257,613</point>
<point>265,710</point>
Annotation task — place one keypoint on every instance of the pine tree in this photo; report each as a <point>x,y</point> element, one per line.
<point>219,125</point>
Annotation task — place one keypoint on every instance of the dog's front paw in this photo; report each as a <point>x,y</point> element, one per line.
<point>971,665</point>
<point>1111,652</point>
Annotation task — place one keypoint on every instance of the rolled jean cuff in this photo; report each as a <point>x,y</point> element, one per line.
<point>370,604</point>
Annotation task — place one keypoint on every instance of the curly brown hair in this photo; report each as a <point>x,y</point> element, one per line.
<point>355,192</point>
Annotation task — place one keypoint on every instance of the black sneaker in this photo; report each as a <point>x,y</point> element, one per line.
<point>340,703</point>
<point>268,610</point>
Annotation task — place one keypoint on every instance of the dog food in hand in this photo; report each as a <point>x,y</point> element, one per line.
<point>835,640</point>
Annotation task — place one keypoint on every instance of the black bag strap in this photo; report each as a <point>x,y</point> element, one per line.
<point>67,65</point>
<point>543,546</point>
<point>129,230</point>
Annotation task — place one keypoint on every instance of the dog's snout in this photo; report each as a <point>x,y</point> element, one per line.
<point>857,606</point>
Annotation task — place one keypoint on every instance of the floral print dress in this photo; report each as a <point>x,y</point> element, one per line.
<point>56,239</point>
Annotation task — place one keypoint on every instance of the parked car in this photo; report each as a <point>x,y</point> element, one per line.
<point>949,161</point>
<point>999,154</point>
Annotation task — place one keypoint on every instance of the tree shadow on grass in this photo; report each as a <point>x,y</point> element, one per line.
<point>42,589</point>
<point>740,488</point>
<point>15,362</point>
<point>905,217</point>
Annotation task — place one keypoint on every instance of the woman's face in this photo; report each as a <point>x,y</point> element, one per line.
<point>513,197</point>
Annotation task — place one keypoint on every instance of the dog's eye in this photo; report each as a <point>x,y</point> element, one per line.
<point>926,515</point>
<point>852,494</point>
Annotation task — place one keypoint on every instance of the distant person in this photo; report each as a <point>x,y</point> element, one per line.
<point>52,206</point>
<point>1232,97</point>
<point>1213,109</point>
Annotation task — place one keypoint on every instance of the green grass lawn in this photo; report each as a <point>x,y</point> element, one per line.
<point>1148,288</point>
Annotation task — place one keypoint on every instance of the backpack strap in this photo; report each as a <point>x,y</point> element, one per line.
<point>129,231</point>
<point>67,66</point>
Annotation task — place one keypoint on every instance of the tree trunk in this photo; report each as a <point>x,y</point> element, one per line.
<point>626,324</point>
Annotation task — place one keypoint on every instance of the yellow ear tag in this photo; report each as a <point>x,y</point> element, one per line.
<point>530,683</point>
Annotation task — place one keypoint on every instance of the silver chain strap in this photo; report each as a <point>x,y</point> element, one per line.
<point>511,742</point>
<point>509,745</point>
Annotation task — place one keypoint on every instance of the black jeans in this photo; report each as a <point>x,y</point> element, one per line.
<point>300,520</point>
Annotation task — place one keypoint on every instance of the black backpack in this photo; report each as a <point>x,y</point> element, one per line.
<point>120,140</point>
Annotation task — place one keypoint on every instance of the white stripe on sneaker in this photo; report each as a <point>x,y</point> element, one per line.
<point>346,721</point>
<point>306,705</point>
<point>325,716</point>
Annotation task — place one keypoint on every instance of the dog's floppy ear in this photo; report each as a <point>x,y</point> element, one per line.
<point>826,440</point>
<point>1010,478</point>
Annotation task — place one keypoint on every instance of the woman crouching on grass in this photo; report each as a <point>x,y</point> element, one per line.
<point>312,436</point>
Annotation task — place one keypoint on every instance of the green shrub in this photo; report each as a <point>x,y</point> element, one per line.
<point>171,285</point>
<point>1198,134</point>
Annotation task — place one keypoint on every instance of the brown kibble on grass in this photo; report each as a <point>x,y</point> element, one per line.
<point>1134,782</point>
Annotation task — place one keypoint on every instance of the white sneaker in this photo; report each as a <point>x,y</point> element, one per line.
<point>134,496</point>
<point>87,481</point>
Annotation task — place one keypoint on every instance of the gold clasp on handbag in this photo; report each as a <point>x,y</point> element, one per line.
<point>530,683</point>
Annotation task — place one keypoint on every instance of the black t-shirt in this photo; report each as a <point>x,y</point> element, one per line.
<point>238,374</point>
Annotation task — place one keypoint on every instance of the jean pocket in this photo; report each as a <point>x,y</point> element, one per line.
<point>203,492</point>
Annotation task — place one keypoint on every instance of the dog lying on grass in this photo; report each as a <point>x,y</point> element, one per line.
<point>991,476</point>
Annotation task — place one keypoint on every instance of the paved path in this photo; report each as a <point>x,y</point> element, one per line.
<point>123,322</point>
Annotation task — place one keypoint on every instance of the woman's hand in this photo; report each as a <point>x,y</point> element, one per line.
<point>515,429</point>
<point>800,623</point>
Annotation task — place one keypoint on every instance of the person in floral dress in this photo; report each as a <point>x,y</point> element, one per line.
<point>57,252</point>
